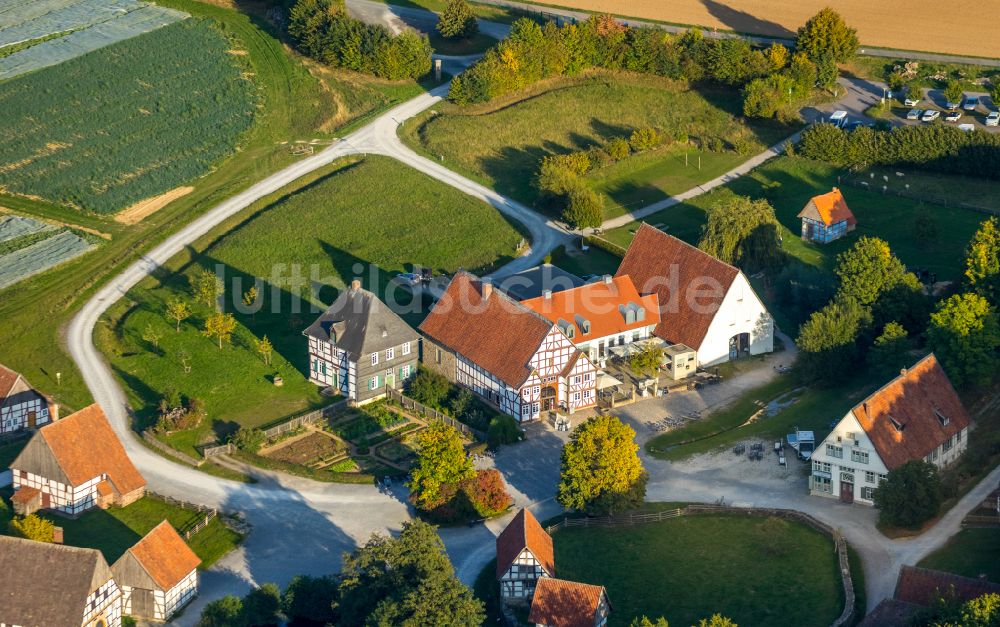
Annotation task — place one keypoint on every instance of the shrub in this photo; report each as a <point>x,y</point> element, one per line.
<point>33,527</point>
<point>584,208</point>
<point>457,20</point>
<point>487,493</point>
<point>910,496</point>
<point>429,387</point>
<point>618,148</point>
<point>645,139</point>
<point>248,439</point>
<point>503,430</point>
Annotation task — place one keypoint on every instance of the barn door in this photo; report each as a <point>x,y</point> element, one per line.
<point>32,419</point>
<point>142,603</point>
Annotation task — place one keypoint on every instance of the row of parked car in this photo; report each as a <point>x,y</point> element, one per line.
<point>953,113</point>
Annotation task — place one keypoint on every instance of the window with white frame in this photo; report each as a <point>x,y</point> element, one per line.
<point>374,359</point>
<point>588,394</point>
<point>881,478</point>
<point>835,451</point>
<point>390,353</point>
<point>373,383</point>
<point>822,484</point>
<point>404,372</point>
<point>821,466</point>
<point>536,390</point>
<point>526,393</point>
<point>576,380</point>
<point>867,493</point>
<point>860,457</point>
<point>948,444</point>
<point>576,396</point>
<point>869,476</point>
<point>406,348</point>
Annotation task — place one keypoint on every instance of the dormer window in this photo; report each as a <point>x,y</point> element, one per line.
<point>942,418</point>
<point>629,314</point>
<point>584,325</point>
<point>897,424</point>
<point>640,314</point>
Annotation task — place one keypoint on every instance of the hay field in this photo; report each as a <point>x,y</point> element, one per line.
<point>922,25</point>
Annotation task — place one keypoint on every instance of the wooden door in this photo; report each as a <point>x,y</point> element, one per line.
<point>143,603</point>
<point>846,492</point>
<point>46,500</point>
<point>32,419</point>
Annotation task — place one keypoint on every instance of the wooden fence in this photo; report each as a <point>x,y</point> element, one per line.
<point>207,514</point>
<point>281,428</point>
<point>149,438</point>
<point>621,520</point>
<point>414,406</point>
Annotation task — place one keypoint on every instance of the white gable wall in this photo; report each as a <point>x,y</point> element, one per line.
<point>741,312</point>
<point>839,459</point>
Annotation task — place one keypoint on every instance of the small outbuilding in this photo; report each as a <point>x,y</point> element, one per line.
<point>827,217</point>
<point>158,576</point>
<point>524,557</point>
<point>560,603</point>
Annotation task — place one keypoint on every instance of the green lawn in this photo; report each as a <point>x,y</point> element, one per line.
<point>757,571</point>
<point>113,531</point>
<point>294,105</point>
<point>815,409</point>
<point>512,134</point>
<point>970,552</point>
<point>477,44</point>
<point>344,221</point>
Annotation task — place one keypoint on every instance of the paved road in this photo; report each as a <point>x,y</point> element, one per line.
<point>397,18</point>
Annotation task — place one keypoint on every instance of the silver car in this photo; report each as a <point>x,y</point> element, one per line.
<point>971,102</point>
<point>914,114</point>
<point>930,115</point>
<point>993,119</point>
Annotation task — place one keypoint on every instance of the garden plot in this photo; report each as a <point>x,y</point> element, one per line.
<point>74,30</point>
<point>312,449</point>
<point>41,256</point>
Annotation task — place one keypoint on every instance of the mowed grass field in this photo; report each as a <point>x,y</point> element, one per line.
<point>920,25</point>
<point>502,143</point>
<point>756,570</point>
<point>293,105</point>
<point>789,182</point>
<point>970,552</point>
<point>126,122</point>
<point>368,218</point>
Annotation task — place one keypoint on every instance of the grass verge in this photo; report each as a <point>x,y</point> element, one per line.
<point>970,553</point>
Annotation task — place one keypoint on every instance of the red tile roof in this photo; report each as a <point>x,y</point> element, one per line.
<point>560,603</point>
<point>662,264</point>
<point>599,303</point>
<point>524,532</point>
<point>7,380</point>
<point>913,401</point>
<point>496,333</point>
<point>24,495</point>
<point>921,586</point>
<point>85,446</point>
<point>165,556</point>
<point>830,208</point>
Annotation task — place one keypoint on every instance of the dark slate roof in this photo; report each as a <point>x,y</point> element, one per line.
<point>38,573</point>
<point>532,282</point>
<point>359,323</point>
<point>890,613</point>
<point>922,586</point>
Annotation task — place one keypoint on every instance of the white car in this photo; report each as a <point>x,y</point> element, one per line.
<point>968,128</point>
<point>911,102</point>
<point>914,114</point>
<point>971,102</point>
<point>930,115</point>
<point>952,105</point>
<point>953,116</point>
<point>993,119</point>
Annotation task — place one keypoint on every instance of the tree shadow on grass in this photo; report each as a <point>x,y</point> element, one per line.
<point>97,529</point>
<point>743,22</point>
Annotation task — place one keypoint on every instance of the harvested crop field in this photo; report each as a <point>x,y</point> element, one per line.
<point>127,122</point>
<point>40,255</point>
<point>961,28</point>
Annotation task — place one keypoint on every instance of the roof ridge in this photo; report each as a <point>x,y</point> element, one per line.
<point>691,246</point>
<point>892,381</point>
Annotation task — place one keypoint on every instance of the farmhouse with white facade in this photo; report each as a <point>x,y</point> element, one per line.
<point>359,347</point>
<point>22,406</point>
<point>524,556</point>
<point>158,575</point>
<point>600,315</point>
<point>704,303</point>
<point>56,586</point>
<point>513,357</point>
<point>917,415</point>
<point>74,464</point>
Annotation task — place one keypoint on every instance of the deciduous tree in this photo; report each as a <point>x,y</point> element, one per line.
<point>964,334</point>
<point>264,349</point>
<point>224,612</point>
<point>601,471</point>
<point>33,527</point>
<point>250,300</point>
<point>982,261</point>
<point>646,361</point>
<point>888,353</point>
<point>405,581</point>
<point>827,341</point>
<point>248,439</point>
<point>178,311</point>
<point>311,599</point>
<point>584,207</point>
<point>220,326</point>
<point>953,92</point>
<point>429,387</point>
<point>826,34</point>
<point>457,20</point>
<point>868,269</point>
<point>207,287</point>
<point>152,335</point>
<point>441,462</point>
<point>743,232</point>
<point>910,496</point>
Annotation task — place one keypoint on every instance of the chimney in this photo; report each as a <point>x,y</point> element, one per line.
<point>356,284</point>
<point>607,279</point>
<point>547,294</point>
<point>487,288</point>
<point>902,372</point>
<point>865,407</point>
<point>54,412</point>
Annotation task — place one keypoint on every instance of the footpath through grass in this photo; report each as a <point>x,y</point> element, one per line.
<point>369,218</point>
<point>756,570</point>
<point>502,142</point>
<point>294,105</point>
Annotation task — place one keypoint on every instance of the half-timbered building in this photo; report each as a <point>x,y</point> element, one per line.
<point>53,585</point>
<point>827,217</point>
<point>22,406</point>
<point>561,603</point>
<point>158,575</point>
<point>917,415</point>
<point>74,464</point>
<point>600,315</point>
<point>503,351</point>
<point>359,347</point>
<point>705,304</point>
<point>524,556</point>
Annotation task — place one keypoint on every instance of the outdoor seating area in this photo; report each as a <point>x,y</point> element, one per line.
<point>673,422</point>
